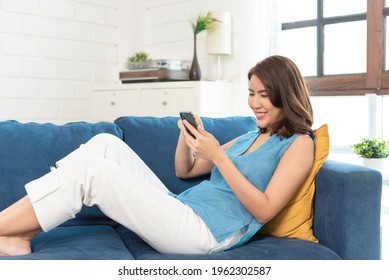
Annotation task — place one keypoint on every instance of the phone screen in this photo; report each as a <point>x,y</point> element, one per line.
<point>190,118</point>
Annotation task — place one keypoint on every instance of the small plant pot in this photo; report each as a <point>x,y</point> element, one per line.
<point>139,65</point>
<point>380,164</point>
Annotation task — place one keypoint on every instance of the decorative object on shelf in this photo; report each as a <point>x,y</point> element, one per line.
<point>139,60</point>
<point>157,70</point>
<point>201,23</point>
<point>374,153</point>
<point>219,37</point>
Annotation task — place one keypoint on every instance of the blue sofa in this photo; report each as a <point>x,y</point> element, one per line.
<point>346,206</point>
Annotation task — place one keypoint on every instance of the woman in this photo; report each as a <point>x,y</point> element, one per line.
<point>252,177</point>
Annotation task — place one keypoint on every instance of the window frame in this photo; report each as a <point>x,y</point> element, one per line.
<point>375,80</point>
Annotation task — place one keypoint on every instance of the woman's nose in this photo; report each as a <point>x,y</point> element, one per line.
<point>256,102</point>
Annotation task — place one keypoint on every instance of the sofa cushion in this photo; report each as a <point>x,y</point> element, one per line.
<point>155,139</point>
<point>100,242</point>
<point>27,151</point>
<point>258,248</point>
<point>296,219</point>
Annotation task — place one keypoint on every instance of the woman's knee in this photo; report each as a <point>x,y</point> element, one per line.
<point>103,140</point>
<point>104,145</point>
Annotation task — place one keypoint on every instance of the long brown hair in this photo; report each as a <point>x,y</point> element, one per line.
<point>288,91</point>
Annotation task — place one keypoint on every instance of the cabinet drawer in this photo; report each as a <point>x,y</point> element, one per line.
<point>167,102</point>
<point>107,106</point>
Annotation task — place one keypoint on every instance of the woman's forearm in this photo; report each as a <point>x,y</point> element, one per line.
<point>184,159</point>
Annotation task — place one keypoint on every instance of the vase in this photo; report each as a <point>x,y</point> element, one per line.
<point>195,72</point>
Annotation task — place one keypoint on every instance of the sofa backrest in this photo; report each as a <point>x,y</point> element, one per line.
<point>155,139</point>
<point>27,150</point>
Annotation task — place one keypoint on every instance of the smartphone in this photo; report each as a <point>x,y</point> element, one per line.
<point>191,119</point>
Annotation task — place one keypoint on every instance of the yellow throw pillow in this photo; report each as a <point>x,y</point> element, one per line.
<point>296,218</point>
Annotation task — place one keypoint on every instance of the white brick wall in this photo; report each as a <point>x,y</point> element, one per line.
<point>52,52</point>
<point>17,88</point>
<point>10,22</point>
<point>169,35</point>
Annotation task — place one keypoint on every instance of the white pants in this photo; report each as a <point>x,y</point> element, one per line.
<point>106,172</point>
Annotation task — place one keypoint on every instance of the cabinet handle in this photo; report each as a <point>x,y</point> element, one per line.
<point>164,103</point>
<point>113,103</point>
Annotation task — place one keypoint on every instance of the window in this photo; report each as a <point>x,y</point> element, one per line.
<point>338,45</point>
<point>386,35</point>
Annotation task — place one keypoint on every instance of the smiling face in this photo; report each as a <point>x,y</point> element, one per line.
<point>279,97</point>
<point>259,101</point>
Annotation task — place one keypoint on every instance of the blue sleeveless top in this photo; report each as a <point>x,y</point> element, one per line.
<point>214,201</point>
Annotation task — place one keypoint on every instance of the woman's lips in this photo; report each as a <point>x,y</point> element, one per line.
<point>260,115</point>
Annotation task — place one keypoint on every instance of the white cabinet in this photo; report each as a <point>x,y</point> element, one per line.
<point>166,102</point>
<point>210,99</point>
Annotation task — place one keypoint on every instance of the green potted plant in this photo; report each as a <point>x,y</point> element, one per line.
<point>139,60</point>
<point>374,153</point>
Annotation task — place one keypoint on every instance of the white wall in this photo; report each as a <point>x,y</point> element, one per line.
<point>53,52</point>
<point>166,34</point>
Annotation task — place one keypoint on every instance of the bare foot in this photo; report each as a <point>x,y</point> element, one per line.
<point>14,246</point>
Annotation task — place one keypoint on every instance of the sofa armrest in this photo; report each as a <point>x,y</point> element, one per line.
<point>348,210</point>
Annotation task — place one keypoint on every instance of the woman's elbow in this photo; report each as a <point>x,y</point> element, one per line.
<point>263,217</point>
<point>262,221</point>
<point>180,174</point>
